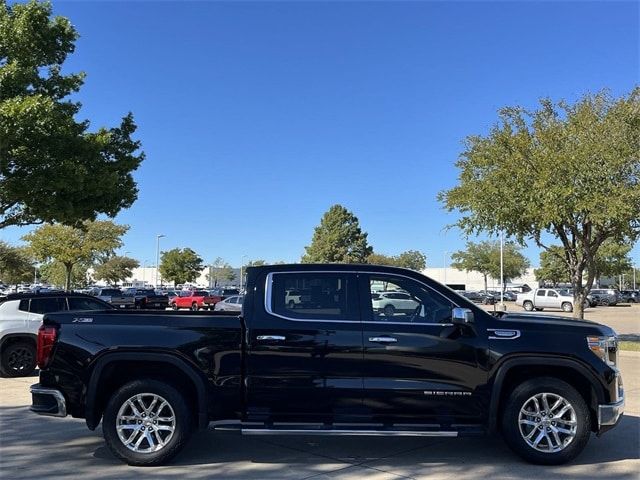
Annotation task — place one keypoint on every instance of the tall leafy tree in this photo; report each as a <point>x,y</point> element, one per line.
<point>180,265</point>
<point>338,239</point>
<point>571,170</point>
<point>612,259</point>
<point>484,258</point>
<point>412,259</point>
<point>55,273</point>
<point>52,168</point>
<point>16,264</point>
<point>219,271</point>
<point>115,269</point>
<point>553,268</point>
<point>71,246</point>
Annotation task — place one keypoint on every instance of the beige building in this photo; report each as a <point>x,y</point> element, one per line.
<point>461,280</point>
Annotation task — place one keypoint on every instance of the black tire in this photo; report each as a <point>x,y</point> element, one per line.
<point>18,359</point>
<point>389,310</point>
<point>528,306</point>
<point>194,307</point>
<point>174,306</point>
<point>567,307</point>
<point>511,428</point>
<point>292,304</point>
<point>605,302</point>
<point>181,433</point>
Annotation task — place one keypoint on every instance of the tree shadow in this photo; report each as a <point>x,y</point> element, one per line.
<point>34,446</point>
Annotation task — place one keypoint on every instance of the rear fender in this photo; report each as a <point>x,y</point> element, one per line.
<point>93,408</point>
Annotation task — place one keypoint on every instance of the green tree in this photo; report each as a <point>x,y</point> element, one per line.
<point>411,259</point>
<point>568,170</point>
<point>55,273</point>
<point>115,269</point>
<point>72,246</point>
<point>338,239</point>
<point>381,259</point>
<point>16,264</point>
<point>219,271</point>
<point>484,258</point>
<point>180,265</point>
<point>52,168</point>
<point>553,267</point>
<point>612,259</point>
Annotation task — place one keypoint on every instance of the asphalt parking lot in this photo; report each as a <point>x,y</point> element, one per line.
<point>32,446</point>
<point>624,318</point>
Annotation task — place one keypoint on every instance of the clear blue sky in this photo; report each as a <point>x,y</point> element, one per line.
<point>256,117</point>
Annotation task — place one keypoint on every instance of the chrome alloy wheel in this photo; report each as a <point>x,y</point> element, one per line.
<point>145,423</point>
<point>547,422</point>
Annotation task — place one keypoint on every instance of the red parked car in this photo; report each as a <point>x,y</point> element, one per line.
<point>195,300</point>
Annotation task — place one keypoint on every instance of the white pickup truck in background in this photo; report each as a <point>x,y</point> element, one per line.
<point>542,298</point>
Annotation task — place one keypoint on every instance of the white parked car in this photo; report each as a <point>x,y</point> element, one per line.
<point>20,318</point>
<point>231,304</point>
<point>391,303</point>
<point>542,298</point>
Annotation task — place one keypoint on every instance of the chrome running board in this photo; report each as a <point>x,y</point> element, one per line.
<point>319,431</point>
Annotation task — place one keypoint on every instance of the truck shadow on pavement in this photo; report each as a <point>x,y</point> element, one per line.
<point>42,447</point>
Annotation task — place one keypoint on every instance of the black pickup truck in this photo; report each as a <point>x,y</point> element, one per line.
<point>147,298</point>
<point>331,364</point>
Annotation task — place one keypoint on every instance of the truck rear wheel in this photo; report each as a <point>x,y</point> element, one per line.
<point>18,359</point>
<point>146,422</point>
<point>567,307</point>
<point>546,421</point>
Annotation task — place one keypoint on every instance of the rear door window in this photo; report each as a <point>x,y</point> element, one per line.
<point>81,303</point>
<point>47,305</point>
<point>327,296</point>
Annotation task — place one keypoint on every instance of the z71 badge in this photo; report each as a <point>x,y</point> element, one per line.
<point>82,320</point>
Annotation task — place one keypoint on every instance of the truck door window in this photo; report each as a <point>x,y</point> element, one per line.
<point>551,293</point>
<point>313,296</point>
<point>405,300</point>
<point>47,305</point>
<point>81,303</point>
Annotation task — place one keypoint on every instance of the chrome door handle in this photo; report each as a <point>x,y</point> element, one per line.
<point>383,339</point>
<point>271,337</point>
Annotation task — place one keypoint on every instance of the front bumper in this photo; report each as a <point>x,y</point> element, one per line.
<point>609,414</point>
<point>48,401</point>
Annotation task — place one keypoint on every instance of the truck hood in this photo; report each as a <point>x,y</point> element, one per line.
<point>556,321</point>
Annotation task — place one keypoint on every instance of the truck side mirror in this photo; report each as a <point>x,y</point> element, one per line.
<point>461,316</point>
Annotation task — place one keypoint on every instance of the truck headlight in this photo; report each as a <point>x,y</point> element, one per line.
<point>604,347</point>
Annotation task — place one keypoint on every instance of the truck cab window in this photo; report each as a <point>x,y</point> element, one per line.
<point>314,296</point>
<point>398,299</point>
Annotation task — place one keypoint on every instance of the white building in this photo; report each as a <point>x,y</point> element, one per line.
<point>461,280</point>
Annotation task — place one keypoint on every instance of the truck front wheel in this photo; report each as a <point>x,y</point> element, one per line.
<point>528,306</point>
<point>546,421</point>
<point>567,307</point>
<point>146,422</point>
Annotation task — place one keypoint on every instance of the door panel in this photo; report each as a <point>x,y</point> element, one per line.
<point>419,368</point>
<point>304,363</point>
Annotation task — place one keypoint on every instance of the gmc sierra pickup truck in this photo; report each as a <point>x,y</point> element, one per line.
<point>331,364</point>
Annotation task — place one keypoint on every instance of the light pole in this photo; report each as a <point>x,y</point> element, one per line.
<point>634,275</point>
<point>241,268</point>
<point>444,261</point>
<point>158,237</point>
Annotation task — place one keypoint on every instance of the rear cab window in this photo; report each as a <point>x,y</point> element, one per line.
<point>323,296</point>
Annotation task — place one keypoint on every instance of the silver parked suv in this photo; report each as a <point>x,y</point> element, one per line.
<point>606,296</point>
